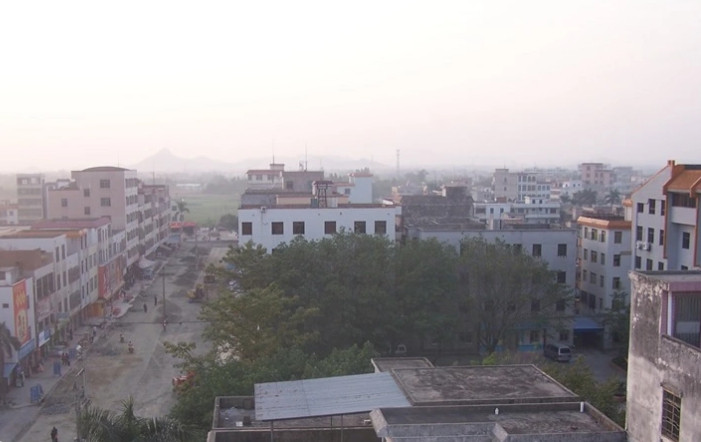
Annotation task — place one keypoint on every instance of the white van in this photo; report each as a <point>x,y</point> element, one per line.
<point>557,352</point>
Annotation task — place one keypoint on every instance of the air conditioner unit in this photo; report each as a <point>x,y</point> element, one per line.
<point>643,245</point>
<point>646,246</point>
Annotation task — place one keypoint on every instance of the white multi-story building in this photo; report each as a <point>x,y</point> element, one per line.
<point>529,211</point>
<point>604,261</point>
<point>272,226</point>
<point>30,197</point>
<point>666,220</point>
<point>517,186</point>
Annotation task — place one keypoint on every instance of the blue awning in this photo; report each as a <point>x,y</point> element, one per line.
<point>9,366</point>
<point>582,323</point>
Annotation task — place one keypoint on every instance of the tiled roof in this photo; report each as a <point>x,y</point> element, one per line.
<point>687,181</point>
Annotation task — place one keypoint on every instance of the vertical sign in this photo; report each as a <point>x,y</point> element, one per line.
<point>21,305</point>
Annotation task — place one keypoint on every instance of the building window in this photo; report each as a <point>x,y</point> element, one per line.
<point>298,227</point>
<point>585,254</point>
<point>616,283</point>
<point>594,256</point>
<point>86,210</point>
<point>638,262</point>
<point>651,206</point>
<point>648,264</point>
<point>584,275</point>
<point>662,207</point>
<point>246,228</point>
<point>105,202</point>
<point>687,315</point>
<point>639,233</point>
<point>534,336</point>
<point>671,415</point>
<point>616,260</point>
<point>359,226</point>
<point>686,240</point>
<point>602,259</point>
<point>601,280</point>
<point>380,227</point>
<point>602,236</point>
<point>537,250</point>
<point>617,237</point>
<point>562,250</point>
<point>86,192</point>
<point>650,235</point>
<point>586,232</point>
<point>329,227</point>
<point>64,202</point>
<point>562,277</point>
<point>104,184</point>
<point>277,228</point>
<point>660,266</point>
<point>641,207</point>
<point>592,278</point>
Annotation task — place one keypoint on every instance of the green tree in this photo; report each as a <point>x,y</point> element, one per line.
<point>8,342</point>
<point>586,197</point>
<point>612,198</point>
<point>98,425</point>
<point>505,288</point>
<point>229,221</point>
<point>180,210</point>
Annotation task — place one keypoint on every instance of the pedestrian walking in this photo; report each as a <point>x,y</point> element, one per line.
<point>155,300</point>
<point>54,435</point>
<point>145,308</point>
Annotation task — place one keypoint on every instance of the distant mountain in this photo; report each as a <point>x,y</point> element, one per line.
<point>164,161</point>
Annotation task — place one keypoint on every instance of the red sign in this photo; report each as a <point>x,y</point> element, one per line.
<point>21,306</point>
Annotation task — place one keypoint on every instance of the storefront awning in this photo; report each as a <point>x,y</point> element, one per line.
<point>583,324</point>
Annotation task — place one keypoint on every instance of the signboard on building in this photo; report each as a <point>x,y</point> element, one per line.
<point>21,314</point>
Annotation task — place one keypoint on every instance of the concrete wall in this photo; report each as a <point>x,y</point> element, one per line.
<point>657,361</point>
<point>296,435</point>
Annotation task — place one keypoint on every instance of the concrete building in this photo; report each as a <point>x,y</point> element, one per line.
<point>530,211</point>
<point>596,176</point>
<point>666,220</point>
<point>604,258</point>
<point>26,291</point>
<point>664,357</point>
<point>102,192</point>
<point>408,399</point>
<point>517,186</point>
<point>272,226</point>
<point>9,214</point>
<point>155,215</point>
<point>30,197</point>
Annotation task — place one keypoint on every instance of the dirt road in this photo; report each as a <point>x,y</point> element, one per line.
<point>112,374</point>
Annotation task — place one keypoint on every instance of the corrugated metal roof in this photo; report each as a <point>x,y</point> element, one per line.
<point>327,396</point>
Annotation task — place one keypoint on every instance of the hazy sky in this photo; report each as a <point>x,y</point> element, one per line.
<point>463,82</point>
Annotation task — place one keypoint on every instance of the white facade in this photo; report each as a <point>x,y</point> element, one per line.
<point>272,226</point>
<point>605,260</point>
<point>666,220</point>
<point>530,211</point>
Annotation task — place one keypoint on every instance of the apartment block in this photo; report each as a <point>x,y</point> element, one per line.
<point>596,176</point>
<point>665,220</point>
<point>30,197</point>
<point>517,186</point>
<point>664,357</point>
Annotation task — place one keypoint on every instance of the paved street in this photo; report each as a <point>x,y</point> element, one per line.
<point>111,373</point>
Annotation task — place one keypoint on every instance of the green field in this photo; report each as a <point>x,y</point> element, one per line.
<point>207,209</point>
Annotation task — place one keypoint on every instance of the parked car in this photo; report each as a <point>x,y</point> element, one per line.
<point>557,352</point>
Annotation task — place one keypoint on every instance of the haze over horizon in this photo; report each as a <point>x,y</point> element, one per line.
<point>512,84</point>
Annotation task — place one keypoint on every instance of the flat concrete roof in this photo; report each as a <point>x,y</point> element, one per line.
<point>466,385</point>
<point>526,419</point>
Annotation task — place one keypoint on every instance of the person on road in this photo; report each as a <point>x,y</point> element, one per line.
<point>155,300</point>
<point>145,308</point>
<point>54,435</point>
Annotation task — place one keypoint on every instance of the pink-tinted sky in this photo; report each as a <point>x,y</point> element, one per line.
<point>447,82</point>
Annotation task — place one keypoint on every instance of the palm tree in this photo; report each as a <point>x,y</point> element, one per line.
<point>613,197</point>
<point>98,425</point>
<point>7,344</point>
<point>181,208</point>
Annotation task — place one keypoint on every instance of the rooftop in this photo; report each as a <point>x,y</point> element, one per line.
<point>70,223</point>
<point>468,385</point>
